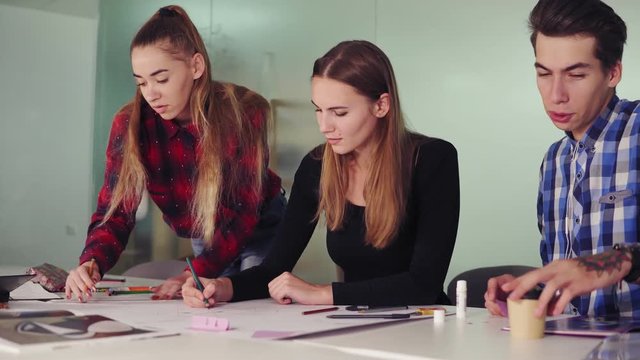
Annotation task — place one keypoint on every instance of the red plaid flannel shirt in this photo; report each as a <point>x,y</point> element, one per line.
<point>169,156</point>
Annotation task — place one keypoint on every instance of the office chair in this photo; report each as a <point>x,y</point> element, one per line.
<point>477,281</point>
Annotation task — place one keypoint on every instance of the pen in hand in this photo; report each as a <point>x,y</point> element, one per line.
<point>198,283</point>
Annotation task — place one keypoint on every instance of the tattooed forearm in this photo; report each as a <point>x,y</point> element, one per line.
<point>607,261</point>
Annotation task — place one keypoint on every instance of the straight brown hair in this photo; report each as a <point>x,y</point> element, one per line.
<point>363,66</point>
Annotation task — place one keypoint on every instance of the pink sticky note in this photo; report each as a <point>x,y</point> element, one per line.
<point>209,323</point>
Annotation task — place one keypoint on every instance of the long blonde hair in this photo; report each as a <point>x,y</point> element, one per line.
<point>217,111</point>
<point>367,69</point>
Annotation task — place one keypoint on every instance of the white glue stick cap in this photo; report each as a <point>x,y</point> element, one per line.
<point>438,317</point>
<point>461,285</point>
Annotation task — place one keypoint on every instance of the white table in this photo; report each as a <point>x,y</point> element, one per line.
<point>478,337</point>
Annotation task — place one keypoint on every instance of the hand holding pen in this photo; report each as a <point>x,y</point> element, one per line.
<point>197,282</point>
<point>81,280</point>
<point>215,290</point>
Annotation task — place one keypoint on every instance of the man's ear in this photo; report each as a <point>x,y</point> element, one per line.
<point>382,105</point>
<point>197,65</point>
<point>615,74</point>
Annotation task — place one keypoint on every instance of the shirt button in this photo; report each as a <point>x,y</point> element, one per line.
<point>581,146</point>
<point>612,197</point>
<point>577,220</point>
<point>579,175</point>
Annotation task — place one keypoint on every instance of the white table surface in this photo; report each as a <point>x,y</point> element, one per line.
<point>478,337</point>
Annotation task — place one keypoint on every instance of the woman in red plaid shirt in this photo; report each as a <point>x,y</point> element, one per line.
<point>199,148</point>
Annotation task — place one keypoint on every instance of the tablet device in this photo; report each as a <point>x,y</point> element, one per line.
<point>8,283</point>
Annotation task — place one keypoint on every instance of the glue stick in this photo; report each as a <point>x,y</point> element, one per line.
<point>461,299</point>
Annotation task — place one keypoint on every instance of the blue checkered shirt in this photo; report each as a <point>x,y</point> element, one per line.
<point>603,172</point>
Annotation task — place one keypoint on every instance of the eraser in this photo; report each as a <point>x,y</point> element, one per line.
<point>209,323</point>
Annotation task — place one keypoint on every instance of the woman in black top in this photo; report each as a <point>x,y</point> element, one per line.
<point>390,198</point>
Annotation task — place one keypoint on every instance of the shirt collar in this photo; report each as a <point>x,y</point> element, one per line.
<point>598,126</point>
<point>171,127</point>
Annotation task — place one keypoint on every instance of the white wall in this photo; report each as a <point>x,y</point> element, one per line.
<point>465,72</point>
<point>449,57</point>
<point>47,80</point>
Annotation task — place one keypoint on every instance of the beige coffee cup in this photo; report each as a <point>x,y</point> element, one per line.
<point>522,322</point>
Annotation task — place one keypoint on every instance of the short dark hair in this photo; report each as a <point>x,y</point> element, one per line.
<point>581,17</point>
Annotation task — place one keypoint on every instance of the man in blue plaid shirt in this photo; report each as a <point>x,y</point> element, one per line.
<point>590,179</point>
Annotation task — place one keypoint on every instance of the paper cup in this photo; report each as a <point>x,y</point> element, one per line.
<point>522,322</point>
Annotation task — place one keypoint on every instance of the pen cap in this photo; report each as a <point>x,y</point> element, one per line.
<point>461,285</point>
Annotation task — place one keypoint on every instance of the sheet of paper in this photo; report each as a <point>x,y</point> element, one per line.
<point>32,291</point>
<point>26,333</point>
<point>138,310</point>
<point>268,319</point>
<point>264,318</point>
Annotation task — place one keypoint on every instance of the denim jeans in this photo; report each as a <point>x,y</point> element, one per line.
<point>258,244</point>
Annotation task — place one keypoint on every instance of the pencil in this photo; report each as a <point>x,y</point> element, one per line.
<point>309,312</point>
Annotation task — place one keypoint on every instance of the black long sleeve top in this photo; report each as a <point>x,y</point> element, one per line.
<point>411,270</point>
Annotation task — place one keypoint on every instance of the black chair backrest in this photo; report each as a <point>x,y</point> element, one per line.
<point>477,281</point>
<point>159,269</point>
